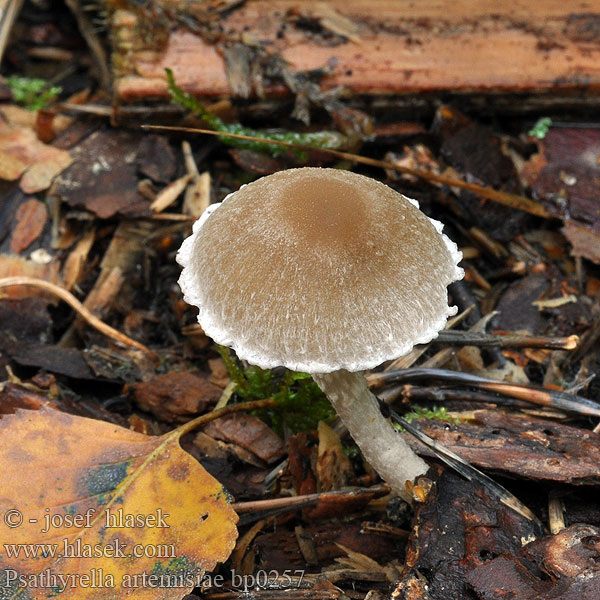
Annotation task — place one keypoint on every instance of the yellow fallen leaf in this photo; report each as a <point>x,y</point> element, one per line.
<point>92,510</point>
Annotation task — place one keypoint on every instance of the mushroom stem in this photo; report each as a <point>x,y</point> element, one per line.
<point>381,445</point>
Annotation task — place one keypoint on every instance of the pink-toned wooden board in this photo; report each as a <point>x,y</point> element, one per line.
<point>400,47</point>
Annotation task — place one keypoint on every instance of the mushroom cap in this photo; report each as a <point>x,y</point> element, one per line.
<point>318,270</point>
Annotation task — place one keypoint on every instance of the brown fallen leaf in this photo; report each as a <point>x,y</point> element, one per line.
<point>87,498</point>
<point>31,218</point>
<point>21,152</point>
<point>250,433</point>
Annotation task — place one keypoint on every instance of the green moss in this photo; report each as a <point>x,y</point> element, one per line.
<point>300,402</point>
<point>317,139</point>
<point>439,413</point>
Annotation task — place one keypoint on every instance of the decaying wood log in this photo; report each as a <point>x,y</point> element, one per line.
<point>367,46</point>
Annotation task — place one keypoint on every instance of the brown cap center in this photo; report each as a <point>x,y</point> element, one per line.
<point>323,211</point>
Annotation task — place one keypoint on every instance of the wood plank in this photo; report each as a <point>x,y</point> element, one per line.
<point>400,47</point>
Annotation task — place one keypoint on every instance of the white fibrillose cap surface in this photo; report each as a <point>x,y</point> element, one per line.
<point>318,270</point>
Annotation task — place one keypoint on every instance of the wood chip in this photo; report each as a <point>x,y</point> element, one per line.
<point>168,195</point>
<point>75,264</point>
<point>197,195</point>
<point>555,302</point>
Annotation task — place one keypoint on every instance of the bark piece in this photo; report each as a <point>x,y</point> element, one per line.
<point>458,528</point>
<point>518,445</point>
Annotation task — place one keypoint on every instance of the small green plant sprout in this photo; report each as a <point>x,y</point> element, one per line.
<point>540,129</point>
<point>300,402</point>
<point>33,94</point>
<point>318,139</point>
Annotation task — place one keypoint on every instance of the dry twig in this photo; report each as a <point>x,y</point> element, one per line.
<point>85,314</point>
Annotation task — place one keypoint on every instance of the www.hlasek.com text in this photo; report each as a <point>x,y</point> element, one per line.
<point>80,549</point>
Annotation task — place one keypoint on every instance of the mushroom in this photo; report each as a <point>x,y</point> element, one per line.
<point>328,272</point>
